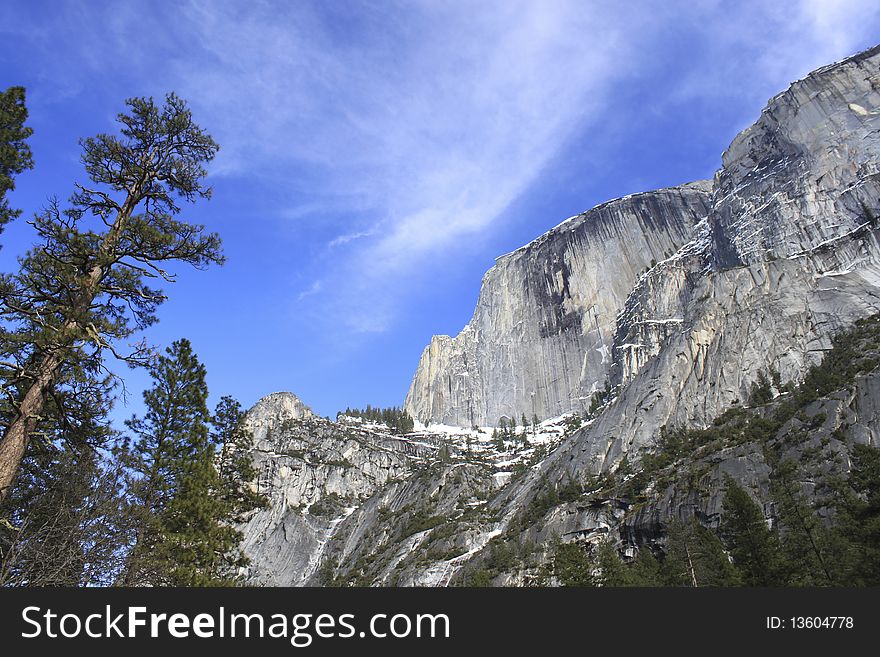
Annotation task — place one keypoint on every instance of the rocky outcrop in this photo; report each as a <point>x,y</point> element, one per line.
<point>787,256</point>
<point>414,532</point>
<point>697,329</point>
<point>819,440</point>
<point>766,283</point>
<point>803,175</point>
<point>313,472</point>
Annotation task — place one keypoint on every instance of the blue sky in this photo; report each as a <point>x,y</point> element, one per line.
<point>376,157</point>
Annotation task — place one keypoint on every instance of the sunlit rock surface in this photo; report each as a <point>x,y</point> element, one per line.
<point>540,339</point>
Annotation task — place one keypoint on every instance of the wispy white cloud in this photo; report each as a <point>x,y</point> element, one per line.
<point>350,237</point>
<point>837,25</point>
<point>754,49</point>
<point>427,118</point>
<point>434,117</point>
<point>312,290</point>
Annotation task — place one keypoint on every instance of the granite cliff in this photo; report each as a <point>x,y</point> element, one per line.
<point>541,337</point>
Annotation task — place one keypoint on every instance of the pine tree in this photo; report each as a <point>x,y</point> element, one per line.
<point>84,287</point>
<point>67,525</point>
<point>858,516</point>
<point>183,536</point>
<point>696,557</point>
<point>235,465</point>
<point>498,437</point>
<point>571,565</point>
<point>524,436</point>
<point>443,454</point>
<point>755,548</point>
<point>645,570</point>
<point>612,571</point>
<point>408,424</point>
<point>197,546</point>
<point>15,154</point>
<point>65,522</point>
<point>760,391</point>
<point>805,540</point>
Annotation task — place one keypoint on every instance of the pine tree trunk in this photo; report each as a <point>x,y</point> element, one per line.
<point>15,442</point>
<point>691,570</point>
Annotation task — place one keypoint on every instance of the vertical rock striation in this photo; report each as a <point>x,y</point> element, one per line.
<point>803,174</point>
<point>788,256</point>
<point>540,339</point>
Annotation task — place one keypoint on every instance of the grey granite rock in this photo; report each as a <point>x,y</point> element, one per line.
<point>540,339</point>
<point>305,462</point>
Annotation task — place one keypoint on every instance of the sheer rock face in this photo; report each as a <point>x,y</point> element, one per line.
<point>540,340</point>
<point>789,256</point>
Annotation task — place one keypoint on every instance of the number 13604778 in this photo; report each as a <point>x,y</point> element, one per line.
<point>810,623</point>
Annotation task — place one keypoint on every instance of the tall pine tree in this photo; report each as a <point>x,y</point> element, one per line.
<point>184,534</point>
<point>67,526</point>
<point>806,542</point>
<point>696,557</point>
<point>571,565</point>
<point>84,287</point>
<point>64,524</point>
<point>858,517</point>
<point>755,547</point>
<point>611,570</point>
